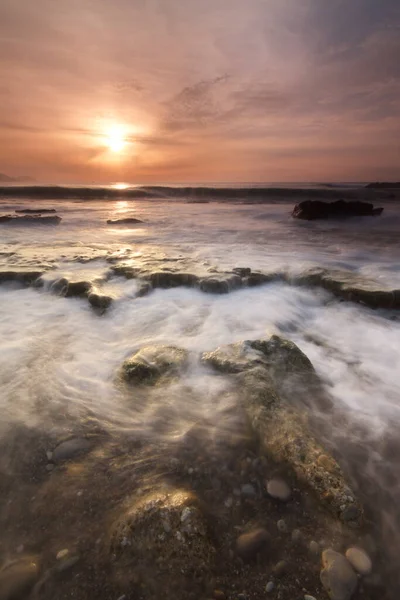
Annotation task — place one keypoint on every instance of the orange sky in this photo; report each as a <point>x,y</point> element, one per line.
<point>217,90</point>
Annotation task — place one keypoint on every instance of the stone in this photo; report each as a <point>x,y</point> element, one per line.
<point>77,288</point>
<point>35,211</point>
<point>30,220</point>
<point>67,563</point>
<point>351,513</point>
<point>219,595</point>
<point>151,362</point>
<point>125,221</point>
<point>18,578</point>
<point>62,554</point>
<point>314,547</point>
<point>337,576</point>
<point>278,489</point>
<point>250,545</point>
<point>297,536</point>
<point>248,490</point>
<point>316,209</point>
<point>308,597</point>
<point>221,284</point>
<point>269,587</point>
<point>282,527</point>
<point>71,449</point>
<point>169,279</point>
<point>359,560</point>
<point>99,301</point>
<point>281,568</point>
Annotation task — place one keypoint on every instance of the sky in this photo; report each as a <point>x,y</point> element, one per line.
<point>158,91</point>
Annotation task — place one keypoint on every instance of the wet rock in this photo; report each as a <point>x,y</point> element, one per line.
<point>165,561</point>
<point>359,560</point>
<point>77,288</point>
<point>249,545</point>
<point>30,220</point>
<point>279,489</point>
<point>316,209</point>
<point>314,547</point>
<point>18,578</point>
<point>71,449</point>
<point>248,490</point>
<point>168,279</point>
<point>269,587</point>
<point>281,568</point>
<point>152,362</point>
<point>255,279</point>
<point>337,576</point>
<point>219,595</point>
<point>125,221</point>
<point>143,290</point>
<point>67,563</point>
<point>234,358</point>
<point>282,527</point>
<point>220,285</point>
<point>35,211</point>
<point>62,554</point>
<point>351,514</point>
<point>24,276</point>
<point>99,301</point>
<point>242,271</point>
<point>297,536</point>
<point>308,597</point>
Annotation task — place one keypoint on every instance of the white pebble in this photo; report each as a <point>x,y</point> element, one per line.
<point>62,554</point>
<point>359,560</point>
<point>269,587</point>
<point>49,455</point>
<point>308,597</point>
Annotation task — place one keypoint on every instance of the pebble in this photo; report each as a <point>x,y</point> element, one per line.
<point>351,513</point>
<point>185,514</point>
<point>282,526</point>
<point>337,576</point>
<point>49,454</point>
<point>248,490</point>
<point>122,597</point>
<point>296,535</point>
<point>279,489</point>
<point>314,547</point>
<point>269,587</point>
<point>62,554</point>
<point>70,449</point>
<point>308,597</point>
<point>18,578</point>
<point>248,545</point>
<point>359,560</point>
<point>281,568</point>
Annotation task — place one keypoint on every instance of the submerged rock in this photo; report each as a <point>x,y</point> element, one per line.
<point>25,276</point>
<point>250,545</point>
<point>125,221</point>
<point>30,220</point>
<point>279,489</point>
<point>35,211</point>
<point>77,288</point>
<point>359,560</point>
<point>18,578</point>
<point>71,449</point>
<point>168,279</point>
<point>220,284</point>
<point>337,576</point>
<point>162,543</point>
<point>316,209</point>
<point>152,362</point>
<point>268,373</point>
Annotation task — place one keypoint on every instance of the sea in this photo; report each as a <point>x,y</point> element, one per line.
<point>59,357</point>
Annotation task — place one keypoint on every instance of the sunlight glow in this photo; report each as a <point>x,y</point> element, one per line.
<point>116,138</point>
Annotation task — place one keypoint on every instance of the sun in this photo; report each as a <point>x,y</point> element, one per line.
<point>116,138</point>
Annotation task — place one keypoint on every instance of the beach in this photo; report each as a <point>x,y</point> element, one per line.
<point>156,375</point>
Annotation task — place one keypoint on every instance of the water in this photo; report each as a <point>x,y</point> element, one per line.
<point>59,359</point>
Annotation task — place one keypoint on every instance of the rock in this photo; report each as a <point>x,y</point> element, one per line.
<point>168,279</point>
<point>99,301</point>
<point>249,545</point>
<point>35,211</point>
<point>62,554</point>
<point>67,563</point>
<point>152,362</point>
<point>359,560</point>
<point>143,290</point>
<point>77,288</point>
<point>242,271</point>
<point>219,595</point>
<point>220,285</point>
<point>255,279</point>
<point>308,597</point>
<point>23,276</point>
<point>337,576</point>
<point>297,536</point>
<point>351,514</point>
<point>269,587</point>
<point>30,220</point>
<point>315,209</point>
<point>18,578</point>
<point>125,221</point>
<point>314,547</point>
<point>248,490</point>
<point>282,527</point>
<point>279,489</point>
<point>169,561</point>
<point>71,449</point>
<point>281,568</point>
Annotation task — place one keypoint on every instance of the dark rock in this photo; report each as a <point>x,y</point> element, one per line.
<point>250,545</point>
<point>35,211</point>
<point>26,277</point>
<point>168,279</point>
<point>351,513</point>
<point>125,221</point>
<point>255,279</point>
<point>99,301</point>
<point>71,449</point>
<point>163,540</point>
<point>337,576</point>
<point>281,568</point>
<point>220,285</point>
<point>152,362</point>
<point>144,289</point>
<point>315,209</point>
<point>77,288</point>
<point>18,578</point>
<point>242,271</point>
<point>30,220</point>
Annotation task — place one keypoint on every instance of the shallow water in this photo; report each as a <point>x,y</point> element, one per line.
<point>59,359</point>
